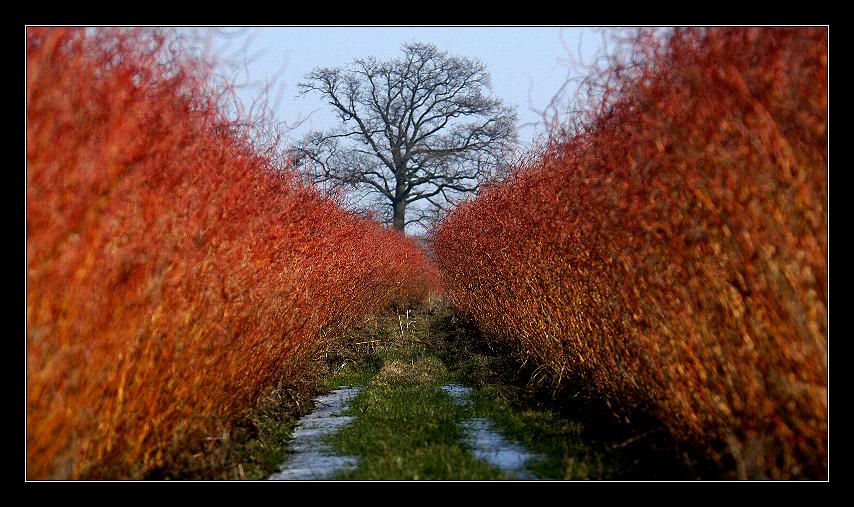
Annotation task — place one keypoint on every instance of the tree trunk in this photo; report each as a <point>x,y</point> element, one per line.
<point>399,217</point>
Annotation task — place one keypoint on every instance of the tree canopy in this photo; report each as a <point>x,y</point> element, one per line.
<point>422,129</point>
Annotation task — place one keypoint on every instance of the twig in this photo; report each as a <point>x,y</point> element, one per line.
<point>627,442</point>
<point>369,341</point>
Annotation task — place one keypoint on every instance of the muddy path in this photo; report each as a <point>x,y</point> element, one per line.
<point>426,398</point>
<point>313,456</point>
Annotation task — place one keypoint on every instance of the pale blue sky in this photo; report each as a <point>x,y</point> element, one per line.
<point>528,65</point>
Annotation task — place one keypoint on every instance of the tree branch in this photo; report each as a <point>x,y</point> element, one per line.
<point>442,134</point>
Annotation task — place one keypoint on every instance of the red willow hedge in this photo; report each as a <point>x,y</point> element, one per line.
<point>672,251</point>
<point>173,274</point>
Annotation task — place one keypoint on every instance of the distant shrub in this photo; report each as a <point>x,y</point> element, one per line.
<point>174,273</point>
<point>670,249</point>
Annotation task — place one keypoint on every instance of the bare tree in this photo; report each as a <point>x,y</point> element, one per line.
<point>417,129</point>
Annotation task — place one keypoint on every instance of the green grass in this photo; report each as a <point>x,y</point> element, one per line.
<point>405,427</point>
<point>408,432</point>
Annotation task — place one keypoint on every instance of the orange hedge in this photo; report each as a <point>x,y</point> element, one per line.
<point>670,249</point>
<point>174,273</point>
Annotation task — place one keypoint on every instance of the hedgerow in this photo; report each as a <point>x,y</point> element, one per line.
<point>175,271</point>
<point>669,249</point>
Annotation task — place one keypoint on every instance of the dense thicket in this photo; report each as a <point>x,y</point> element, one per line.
<point>670,249</point>
<point>174,272</point>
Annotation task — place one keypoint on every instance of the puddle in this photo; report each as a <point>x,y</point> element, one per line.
<point>459,392</point>
<point>313,458</point>
<point>487,444</point>
<point>490,446</point>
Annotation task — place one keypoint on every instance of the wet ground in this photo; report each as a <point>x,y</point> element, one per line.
<point>313,458</point>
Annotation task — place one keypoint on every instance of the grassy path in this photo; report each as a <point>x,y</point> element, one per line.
<point>406,427</point>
